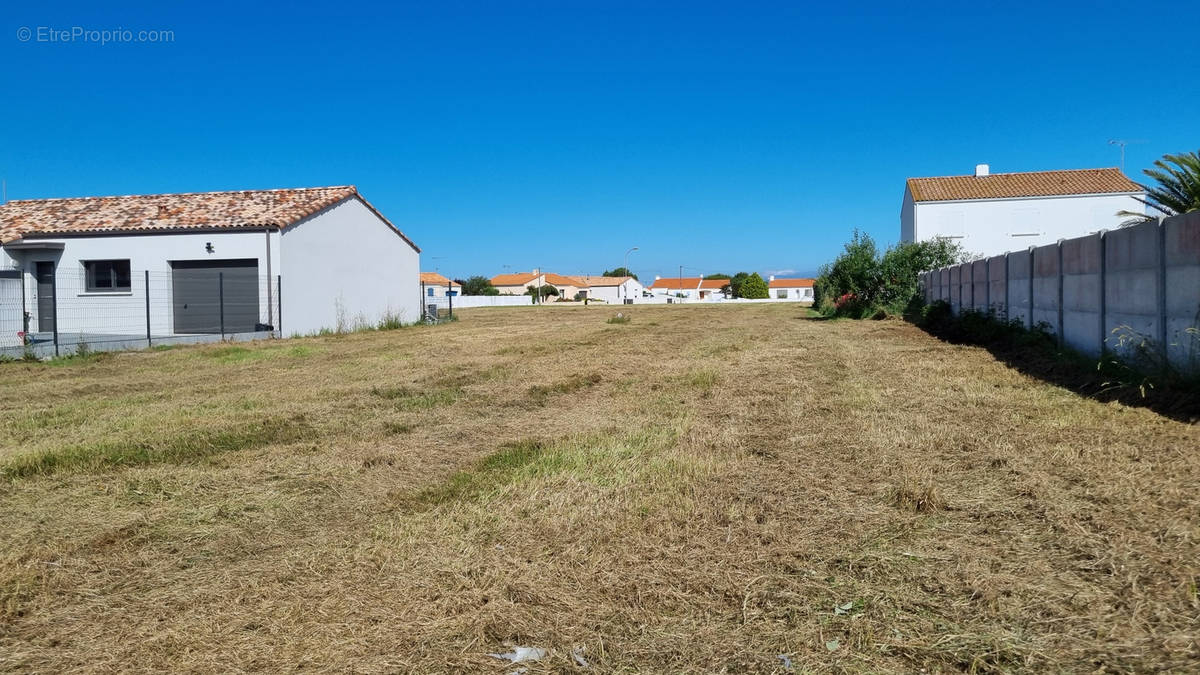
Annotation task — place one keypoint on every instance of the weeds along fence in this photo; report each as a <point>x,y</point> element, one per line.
<point>1125,292</point>
<point>53,313</point>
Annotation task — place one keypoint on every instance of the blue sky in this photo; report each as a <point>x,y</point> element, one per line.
<point>721,137</point>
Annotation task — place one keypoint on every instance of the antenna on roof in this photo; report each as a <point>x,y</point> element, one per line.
<point>1122,142</point>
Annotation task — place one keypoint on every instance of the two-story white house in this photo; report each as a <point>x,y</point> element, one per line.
<point>993,213</point>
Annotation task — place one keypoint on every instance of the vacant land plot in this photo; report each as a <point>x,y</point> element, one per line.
<point>716,489</point>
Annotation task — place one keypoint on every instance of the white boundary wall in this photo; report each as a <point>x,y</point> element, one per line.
<point>1089,291</point>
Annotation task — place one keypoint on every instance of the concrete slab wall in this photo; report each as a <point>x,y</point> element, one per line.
<point>998,285</point>
<point>965,289</point>
<point>1082,289</point>
<point>1131,286</point>
<point>1046,287</point>
<point>979,285</point>
<point>1181,243</point>
<point>956,288</point>
<point>1018,294</point>
<point>1111,291</point>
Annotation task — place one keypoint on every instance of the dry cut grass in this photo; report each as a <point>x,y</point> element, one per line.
<point>699,489</point>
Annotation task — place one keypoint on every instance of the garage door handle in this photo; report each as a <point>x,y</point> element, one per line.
<point>185,305</point>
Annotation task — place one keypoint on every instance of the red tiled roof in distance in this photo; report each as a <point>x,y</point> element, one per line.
<point>606,281</point>
<point>435,279</point>
<point>1026,184</point>
<point>689,283</point>
<point>790,283</point>
<point>518,279</point>
<point>563,280</point>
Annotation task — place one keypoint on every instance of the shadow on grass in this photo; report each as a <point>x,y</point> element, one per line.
<point>1037,353</point>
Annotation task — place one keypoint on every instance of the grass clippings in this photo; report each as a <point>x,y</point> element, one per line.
<point>720,488</point>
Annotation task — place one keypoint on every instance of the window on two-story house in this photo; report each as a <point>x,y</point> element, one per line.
<point>106,276</point>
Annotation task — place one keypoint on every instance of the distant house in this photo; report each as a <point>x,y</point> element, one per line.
<point>520,282</point>
<point>613,289</point>
<point>435,285</point>
<point>691,288</point>
<point>288,261</point>
<point>791,289</point>
<point>989,213</point>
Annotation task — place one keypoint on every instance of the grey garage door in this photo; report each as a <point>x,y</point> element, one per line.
<point>205,290</point>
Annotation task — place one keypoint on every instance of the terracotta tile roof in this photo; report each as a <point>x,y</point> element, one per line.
<point>519,279</point>
<point>790,283</point>
<point>241,209</point>
<point>1028,184</point>
<point>435,279</point>
<point>606,281</point>
<point>563,280</point>
<point>689,283</point>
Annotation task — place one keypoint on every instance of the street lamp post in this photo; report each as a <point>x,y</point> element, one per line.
<point>626,266</point>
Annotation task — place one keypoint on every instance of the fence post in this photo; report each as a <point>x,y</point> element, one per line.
<point>987,285</point>
<point>1061,276</point>
<point>148,341</point>
<point>24,312</point>
<point>1103,294</point>
<point>221,300</point>
<point>450,298</point>
<point>1162,285</point>
<point>279,300</point>
<point>54,305</point>
<point>1007,281</point>
<point>1032,267</point>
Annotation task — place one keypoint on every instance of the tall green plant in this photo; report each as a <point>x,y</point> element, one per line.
<point>860,282</point>
<point>754,287</point>
<point>1177,192</point>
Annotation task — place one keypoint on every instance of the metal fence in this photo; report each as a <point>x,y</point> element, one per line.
<point>47,312</point>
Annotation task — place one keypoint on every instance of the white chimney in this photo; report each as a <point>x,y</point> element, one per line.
<point>771,278</point>
<point>981,170</point>
<point>656,277</point>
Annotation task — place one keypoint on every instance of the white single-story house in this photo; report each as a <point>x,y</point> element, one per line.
<point>993,213</point>
<point>690,288</point>
<point>613,289</point>
<point>289,261</point>
<point>435,285</point>
<point>800,290</point>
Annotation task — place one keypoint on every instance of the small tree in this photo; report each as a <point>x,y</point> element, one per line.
<point>733,289</point>
<point>860,282</point>
<point>619,272</point>
<point>478,285</point>
<point>710,277</point>
<point>754,288</point>
<point>547,291</point>
<point>1178,189</point>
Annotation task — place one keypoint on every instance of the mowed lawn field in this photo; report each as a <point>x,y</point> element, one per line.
<point>702,489</point>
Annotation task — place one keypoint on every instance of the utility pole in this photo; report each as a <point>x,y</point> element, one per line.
<point>626,266</point>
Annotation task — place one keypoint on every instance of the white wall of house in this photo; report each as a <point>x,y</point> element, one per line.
<point>436,291</point>
<point>798,294</point>
<point>124,312</point>
<point>344,266</point>
<point>630,288</point>
<point>993,226</point>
